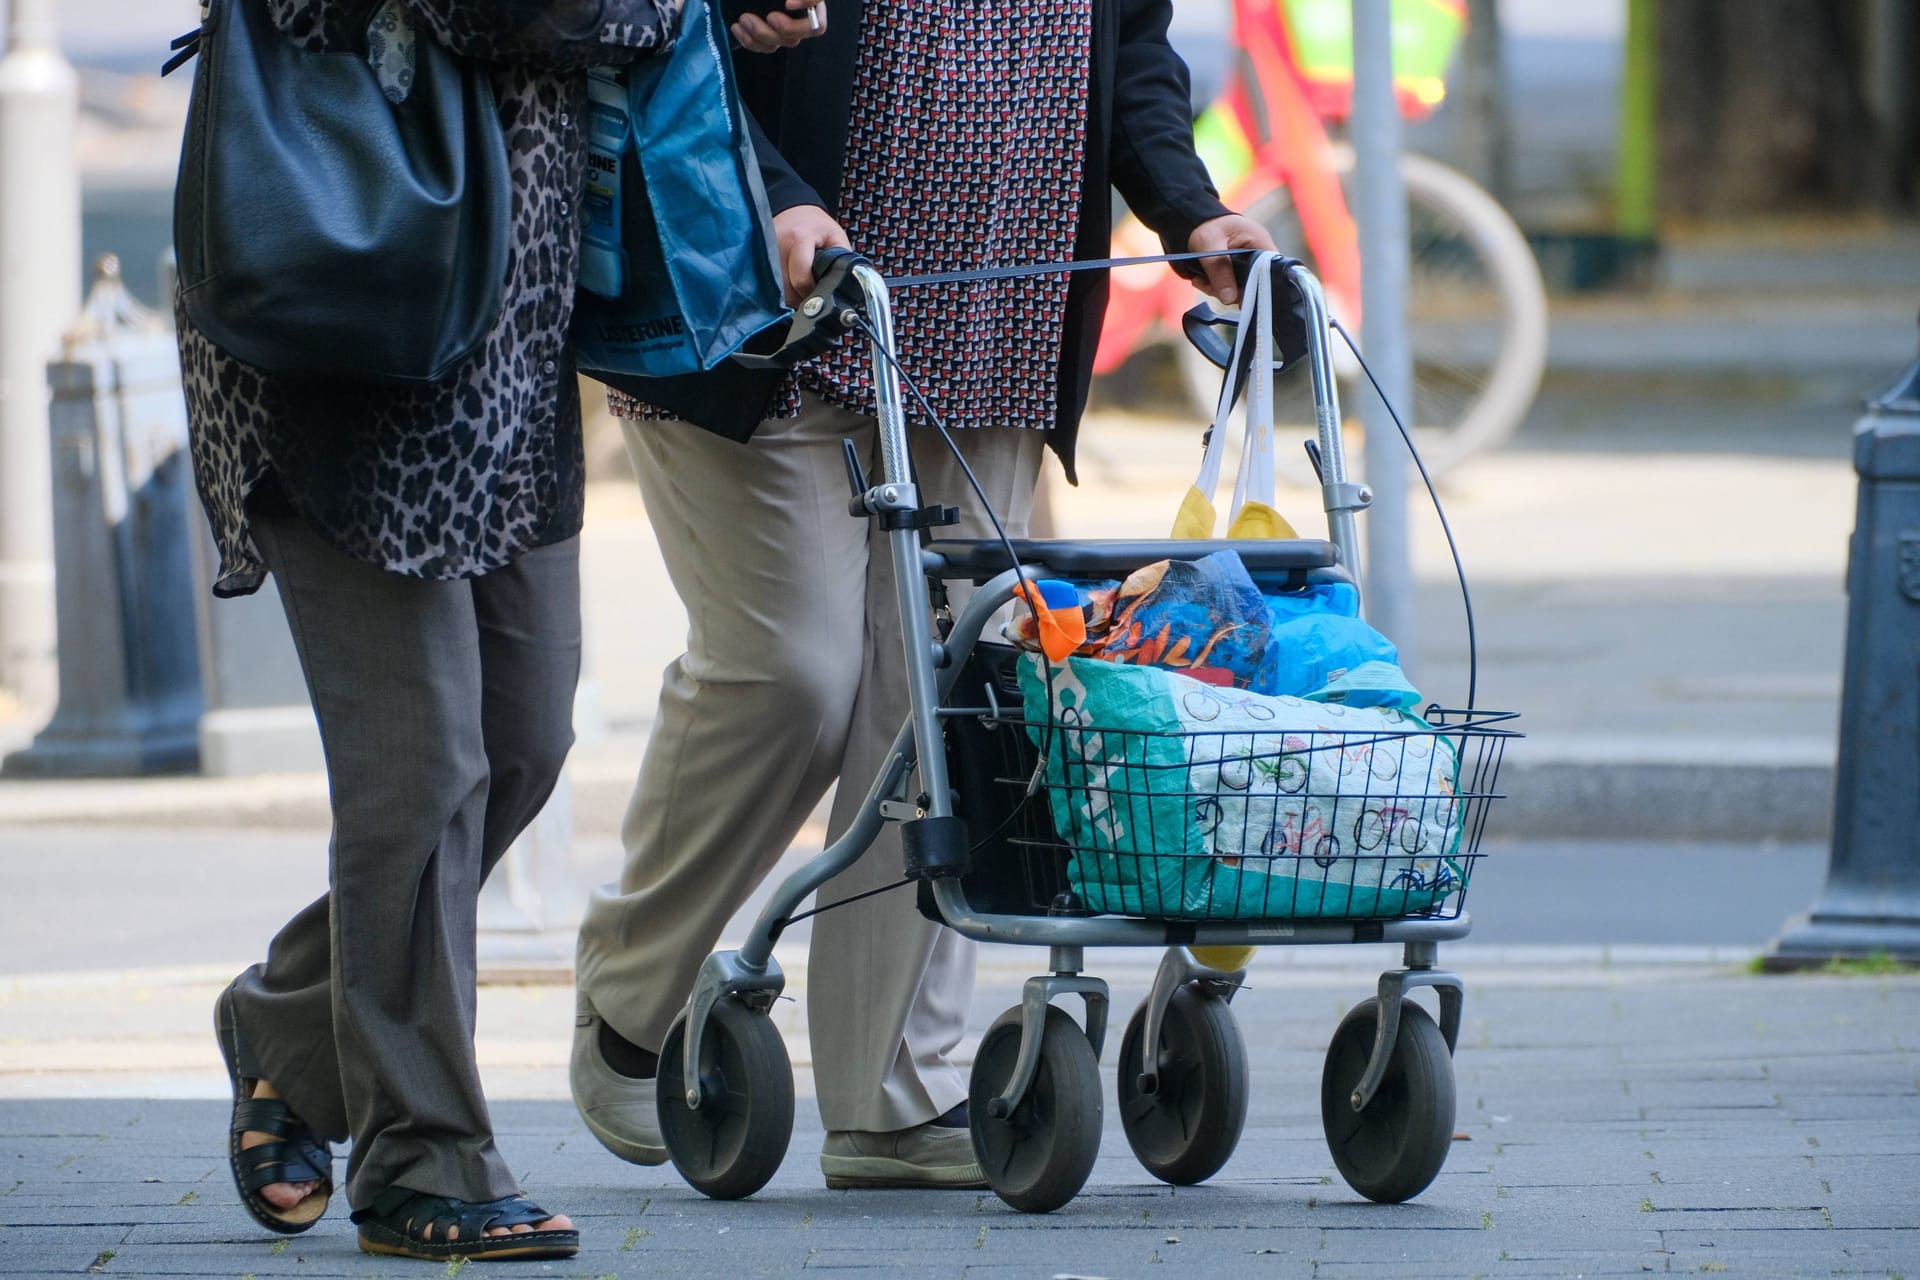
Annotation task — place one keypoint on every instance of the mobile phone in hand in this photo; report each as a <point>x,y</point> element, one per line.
<point>733,10</point>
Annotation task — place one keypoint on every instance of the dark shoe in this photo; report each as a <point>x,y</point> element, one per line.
<point>296,1154</point>
<point>411,1224</point>
<point>927,1155</point>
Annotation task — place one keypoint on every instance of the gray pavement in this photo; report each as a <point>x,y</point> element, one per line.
<point>1610,1120</point>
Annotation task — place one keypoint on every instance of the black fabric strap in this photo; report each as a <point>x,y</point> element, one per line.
<point>273,1162</point>
<point>266,1115</point>
<point>1053,268</point>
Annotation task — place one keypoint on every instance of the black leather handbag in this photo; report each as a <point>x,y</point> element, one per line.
<point>323,230</point>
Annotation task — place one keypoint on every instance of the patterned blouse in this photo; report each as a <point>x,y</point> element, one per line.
<point>455,478</point>
<point>964,152</point>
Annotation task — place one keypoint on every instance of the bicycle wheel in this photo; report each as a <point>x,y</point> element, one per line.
<point>1476,324</point>
<point>737,1139</point>
<point>1390,1151</point>
<point>1184,1131</point>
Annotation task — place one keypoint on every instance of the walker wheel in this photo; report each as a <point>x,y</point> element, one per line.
<point>735,1142</point>
<point>1185,1130</point>
<point>1390,1151</point>
<point>1039,1157</point>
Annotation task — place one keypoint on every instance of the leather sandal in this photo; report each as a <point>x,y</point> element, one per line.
<point>295,1155</point>
<point>412,1224</point>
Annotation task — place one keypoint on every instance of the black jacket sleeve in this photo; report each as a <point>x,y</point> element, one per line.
<point>785,188</point>
<point>1154,163</point>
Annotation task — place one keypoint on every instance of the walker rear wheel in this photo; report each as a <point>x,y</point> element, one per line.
<point>735,1142</point>
<point>1185,1130</point>
<point>1039,1157</point>
<point>1393,1148</point>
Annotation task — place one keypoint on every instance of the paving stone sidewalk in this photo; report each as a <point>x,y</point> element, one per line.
<point>1612,1120</point>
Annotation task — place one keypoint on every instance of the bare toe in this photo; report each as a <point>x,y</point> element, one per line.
<point>281,1195</point>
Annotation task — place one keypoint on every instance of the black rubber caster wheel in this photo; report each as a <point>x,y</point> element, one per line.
<point>1185,1130</point>
<point>1039,1157</point>
<point>735,1142</point>
<point>1393,1149</point>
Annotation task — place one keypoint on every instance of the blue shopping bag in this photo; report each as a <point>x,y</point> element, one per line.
<point>678,262</point>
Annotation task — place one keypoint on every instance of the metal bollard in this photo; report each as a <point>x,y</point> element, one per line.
<point>1870,906</point>
<point>124,517</point>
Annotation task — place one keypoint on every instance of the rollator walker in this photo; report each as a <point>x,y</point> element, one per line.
<point>980,841</point>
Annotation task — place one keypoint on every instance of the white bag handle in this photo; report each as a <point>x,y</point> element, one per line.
<point>1252,308</point>
<point>1255,481</point>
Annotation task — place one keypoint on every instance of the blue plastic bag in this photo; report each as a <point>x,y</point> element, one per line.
<point>678,265</point>
<point>1317,639</point>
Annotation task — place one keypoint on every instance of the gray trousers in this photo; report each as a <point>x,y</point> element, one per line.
<point>793,676</point>
<point>445,711</point>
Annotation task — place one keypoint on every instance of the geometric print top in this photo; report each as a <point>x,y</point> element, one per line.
<point>964,152</point>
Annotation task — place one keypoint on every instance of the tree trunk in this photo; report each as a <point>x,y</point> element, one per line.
<point>1484,140</point>
<point>1761,108</point>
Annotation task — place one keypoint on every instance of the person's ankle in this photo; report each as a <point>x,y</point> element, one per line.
<point>625,1057</point>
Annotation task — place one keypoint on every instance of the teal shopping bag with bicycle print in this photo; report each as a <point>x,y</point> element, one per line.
<point>1180,799</point>
<point>678,262</point>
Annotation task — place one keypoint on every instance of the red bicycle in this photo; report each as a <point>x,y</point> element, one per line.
<point>1477,308</point>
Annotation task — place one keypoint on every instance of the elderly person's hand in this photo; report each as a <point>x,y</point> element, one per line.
<point>1230,231</point>
<point>769,32</point>
<point>803,231</point>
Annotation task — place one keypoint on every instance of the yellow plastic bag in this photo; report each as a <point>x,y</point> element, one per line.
<point>1253,513</point>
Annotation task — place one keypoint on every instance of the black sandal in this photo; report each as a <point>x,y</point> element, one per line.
<point>412,1224</point>
<point>295,1155</point>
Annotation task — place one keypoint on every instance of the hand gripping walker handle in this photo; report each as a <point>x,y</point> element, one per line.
<point>816,322</point>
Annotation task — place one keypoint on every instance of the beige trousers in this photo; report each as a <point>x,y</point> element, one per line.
<point>793,677</point>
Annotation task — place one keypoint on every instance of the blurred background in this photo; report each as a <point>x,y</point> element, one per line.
<point>1769,109</point>
<point>1716,200</point>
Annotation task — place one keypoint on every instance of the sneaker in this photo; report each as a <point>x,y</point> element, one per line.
<point>618,1110</point>
<point>927,1155</point>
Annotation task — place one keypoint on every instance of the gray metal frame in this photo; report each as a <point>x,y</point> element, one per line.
<point>933,665</point>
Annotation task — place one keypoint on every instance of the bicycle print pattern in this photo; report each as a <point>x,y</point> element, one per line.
<point>1184,800</point>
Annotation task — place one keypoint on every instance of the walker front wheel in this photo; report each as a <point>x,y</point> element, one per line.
<point>1037,1158</point>
<point>735,1142</point>
<point>1394,1147</point>
<point>1187,1127</point>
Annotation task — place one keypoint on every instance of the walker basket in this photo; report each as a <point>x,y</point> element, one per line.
<point>1197,825</point>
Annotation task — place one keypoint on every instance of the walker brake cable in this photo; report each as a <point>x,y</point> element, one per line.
<point>1098,264</point>
<point>1453,548</point>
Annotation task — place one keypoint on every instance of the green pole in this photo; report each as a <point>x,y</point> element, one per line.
<point>1635,216</point>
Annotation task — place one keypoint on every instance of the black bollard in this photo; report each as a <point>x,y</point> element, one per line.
<point>124,520</point>
<point>1870,906</point>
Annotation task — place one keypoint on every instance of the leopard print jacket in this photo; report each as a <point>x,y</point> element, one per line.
<point>455,478</point>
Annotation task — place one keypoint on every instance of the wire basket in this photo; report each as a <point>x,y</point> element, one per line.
<point>1217,825</point>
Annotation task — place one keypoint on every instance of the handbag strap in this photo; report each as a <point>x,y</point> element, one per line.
<point>391,44</point>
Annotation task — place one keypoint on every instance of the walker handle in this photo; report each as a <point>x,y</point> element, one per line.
<point>817,322</point>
